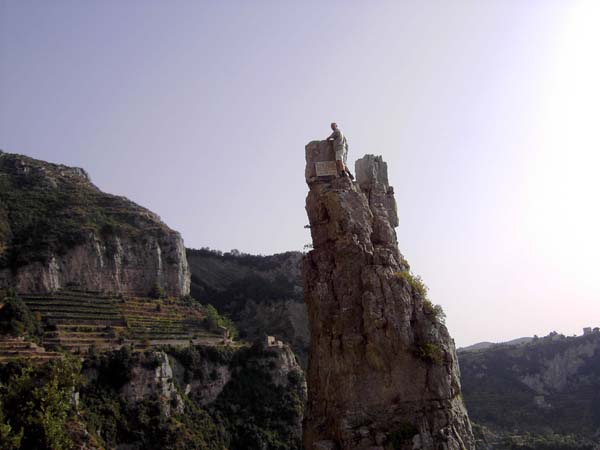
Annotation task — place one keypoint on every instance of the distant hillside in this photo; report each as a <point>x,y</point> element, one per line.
<point>58,230</point>
<point>487,345</point>
<point>262,294</point>
<point>548,387</point>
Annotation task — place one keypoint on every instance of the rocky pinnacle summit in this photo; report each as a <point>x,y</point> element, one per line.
<point>383,372</point>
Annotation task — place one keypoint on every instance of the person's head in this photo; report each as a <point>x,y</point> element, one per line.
<point>334,126</point>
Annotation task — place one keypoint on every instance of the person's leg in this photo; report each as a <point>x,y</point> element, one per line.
<point>345,166</point>
<point>340,166</point>
<point>339,161</point>
<point>347,172</point>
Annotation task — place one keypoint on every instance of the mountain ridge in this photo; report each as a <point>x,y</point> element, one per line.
<point>57,230</point>
<point>487,344</point>
<point>548,386</point>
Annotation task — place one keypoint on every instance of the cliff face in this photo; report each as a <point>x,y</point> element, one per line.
<point>156,381</point>
<point>195,397</point>
<point>382,368</point>
<point>548,385</point>
<point>59,230</point>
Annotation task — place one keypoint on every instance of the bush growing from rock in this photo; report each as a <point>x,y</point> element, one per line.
<point>157,291</point>
<point>431,353</point>
<point>15,317</point>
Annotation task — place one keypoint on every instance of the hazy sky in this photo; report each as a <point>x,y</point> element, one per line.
<point>486,111</point>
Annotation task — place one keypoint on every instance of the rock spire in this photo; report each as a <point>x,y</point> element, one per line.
<point>383,371</point>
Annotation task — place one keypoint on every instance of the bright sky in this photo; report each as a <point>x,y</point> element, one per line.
<point>486,111</point>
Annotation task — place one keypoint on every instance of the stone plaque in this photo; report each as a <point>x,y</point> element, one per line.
<point>326,168</point>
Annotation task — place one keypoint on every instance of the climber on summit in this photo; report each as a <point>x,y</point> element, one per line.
<point>340,147</point>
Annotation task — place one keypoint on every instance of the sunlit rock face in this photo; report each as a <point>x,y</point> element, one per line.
<point>382,368</point>
<point>58,230</point>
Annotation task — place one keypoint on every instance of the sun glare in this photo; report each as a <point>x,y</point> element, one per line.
<point>563,213</point>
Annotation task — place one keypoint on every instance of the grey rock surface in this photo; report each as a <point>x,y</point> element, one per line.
<point>547,385</point>
<point>561,367</point>
<point>317,151</point>
<point>147,383</point>
<point>382,366</point>
<point>205,388</point>
<point>58,230</point>
<point>109,264</point>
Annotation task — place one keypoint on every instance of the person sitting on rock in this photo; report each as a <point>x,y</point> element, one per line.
<point>340,147</point>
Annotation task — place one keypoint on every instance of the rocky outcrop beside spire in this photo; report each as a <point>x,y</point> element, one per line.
<point>382,369</point>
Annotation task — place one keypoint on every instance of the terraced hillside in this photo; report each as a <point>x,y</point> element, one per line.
<point>166,322</point>
<point>12,348</point>
<point>78,321</point>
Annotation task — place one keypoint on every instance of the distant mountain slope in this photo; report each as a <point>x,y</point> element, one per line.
<point>486,345</point>
<point>550,385</point>
<point>262,294</point>
<point>59,230</point>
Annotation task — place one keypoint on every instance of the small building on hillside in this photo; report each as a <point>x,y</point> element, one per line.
<point>271,341</point>
<point>587,330</point>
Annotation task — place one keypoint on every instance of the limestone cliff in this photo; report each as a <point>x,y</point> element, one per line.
<point>59,230</point>
<point>382,368</point>
<point>550,385</point>
<point>196,397</point>
<point>154,381</point>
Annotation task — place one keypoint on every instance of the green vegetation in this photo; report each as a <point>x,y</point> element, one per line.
<point>261,294</point>
<point>257,413</point>
<point>76,321</point>
<point>216,322</point>
<point>431,353</point>
<point>53,208</point>
<point>15,317</point>
<point>419,289</point>
<point>256,262</point>
<point>436,311</point>
<point>157,291</point>
<point>9,440</point>
<point>193,358</point>
<point>497,397</point>
<point>251,413</point>
<point>399,438</point>
<point>254,288</point>
<point>114,421</point>
<point>546,442</point>
<point>416,284</point>
<point>36,407</point>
